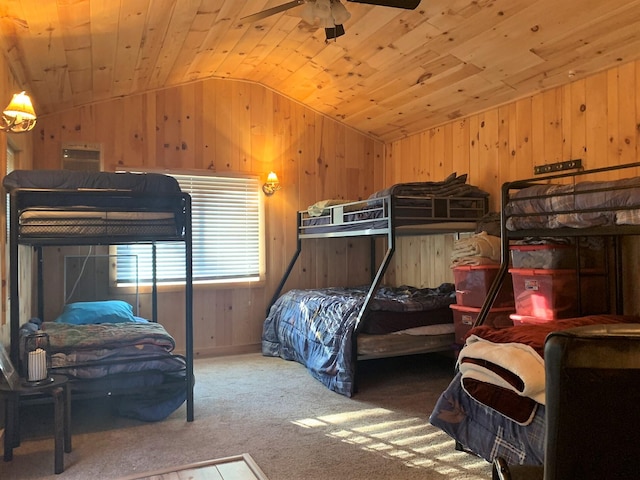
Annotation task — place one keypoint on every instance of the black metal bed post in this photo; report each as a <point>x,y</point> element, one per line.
<point>373,288</point>
<point>375,284</point>
<point>40,280</point>
<point>617,275</point>
<point>154,283</point>
<point>504,260</point>
<point>14,314</point>
<point>372,257</point>
<point>189,306</point>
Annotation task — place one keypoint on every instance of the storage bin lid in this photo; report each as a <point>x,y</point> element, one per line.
<point>544,246</point>
<point>464,308</point>
<point>467,268</point>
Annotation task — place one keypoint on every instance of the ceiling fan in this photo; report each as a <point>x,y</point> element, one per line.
<point>330,13</point>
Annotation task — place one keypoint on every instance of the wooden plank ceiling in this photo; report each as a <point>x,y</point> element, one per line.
<point>394,73</point>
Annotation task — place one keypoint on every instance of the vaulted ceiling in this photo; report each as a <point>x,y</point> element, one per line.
<point>395,72</point>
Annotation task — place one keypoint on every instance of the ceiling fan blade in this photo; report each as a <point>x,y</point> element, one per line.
<point>272,11</point>
<point>408,4</point>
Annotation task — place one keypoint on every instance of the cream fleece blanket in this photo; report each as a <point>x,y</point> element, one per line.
<point>478,249</point>
<point>487,362</point>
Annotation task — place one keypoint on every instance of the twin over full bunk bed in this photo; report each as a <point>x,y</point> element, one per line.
<point>330,329</point>
<point>101,346</point>
<point>495,405</point>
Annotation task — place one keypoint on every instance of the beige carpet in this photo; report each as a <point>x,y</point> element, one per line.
<point>239,467</point>
<point>290,424</point>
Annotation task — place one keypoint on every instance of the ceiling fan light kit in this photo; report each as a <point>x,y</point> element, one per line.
<point>330,14</point>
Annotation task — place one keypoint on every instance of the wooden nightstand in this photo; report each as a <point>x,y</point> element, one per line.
<point>58,387</point>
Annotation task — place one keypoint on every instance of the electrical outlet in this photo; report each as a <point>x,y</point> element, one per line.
<point>558,167</point>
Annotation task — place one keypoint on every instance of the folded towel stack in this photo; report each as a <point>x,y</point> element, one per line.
<point>478,249</point>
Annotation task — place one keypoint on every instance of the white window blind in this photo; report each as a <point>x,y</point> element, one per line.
<point>226,224</point>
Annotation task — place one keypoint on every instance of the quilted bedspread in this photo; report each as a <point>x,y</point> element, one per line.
<point>316,327</point>
<point>66,337</point>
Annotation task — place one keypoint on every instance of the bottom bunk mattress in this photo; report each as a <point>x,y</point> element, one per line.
<point>131,361</point>
<point>494,407</point>
<point>317,328</point>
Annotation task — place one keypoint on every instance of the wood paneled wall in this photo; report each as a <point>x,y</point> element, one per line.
<point>228,126</point>
<point>21,144</point>
<point>238,127</point>
<point>596,119</point>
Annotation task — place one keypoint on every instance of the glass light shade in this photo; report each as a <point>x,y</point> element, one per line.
<point>19,115</point>
<point>308,13</point>
<point>339,12</point>
<point>20,106</point>
<point>327,22</point>
<point>322,9</point>
<point>272,185</point>
<point>272,178</point>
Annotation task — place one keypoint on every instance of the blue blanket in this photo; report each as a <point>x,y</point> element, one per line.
<point>316,327</point>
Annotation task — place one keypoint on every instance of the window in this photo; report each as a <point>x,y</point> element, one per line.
<point>226,219</point>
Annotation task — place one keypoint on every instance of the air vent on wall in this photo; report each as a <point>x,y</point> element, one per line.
<point>85,157</point>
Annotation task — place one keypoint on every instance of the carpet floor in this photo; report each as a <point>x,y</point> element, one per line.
<point>291,425</point>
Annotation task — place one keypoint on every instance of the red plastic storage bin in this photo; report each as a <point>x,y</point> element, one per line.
<point>547,294</point>
<point>464,318</point>
<point>473,283</point>
<point>552,294</point>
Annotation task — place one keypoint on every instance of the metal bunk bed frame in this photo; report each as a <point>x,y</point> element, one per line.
<point>121,200</point>
<point>613,231</point>
<point>390,217</point>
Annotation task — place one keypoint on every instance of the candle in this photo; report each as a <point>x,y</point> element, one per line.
<point>37,365</point>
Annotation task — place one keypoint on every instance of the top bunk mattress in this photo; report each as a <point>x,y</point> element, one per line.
<point>63,203</point>
<point>581,205</point>
<point>449,205</point>
<point>78,180</point>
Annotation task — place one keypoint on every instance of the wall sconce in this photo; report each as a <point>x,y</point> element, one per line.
<point>272,185</point>
<point>19,115</point>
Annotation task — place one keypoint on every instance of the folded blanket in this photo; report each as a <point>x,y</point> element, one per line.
<point>452,186</point>
<point>513,366</point>
<point>585,204</point>
<point>478,245</point>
